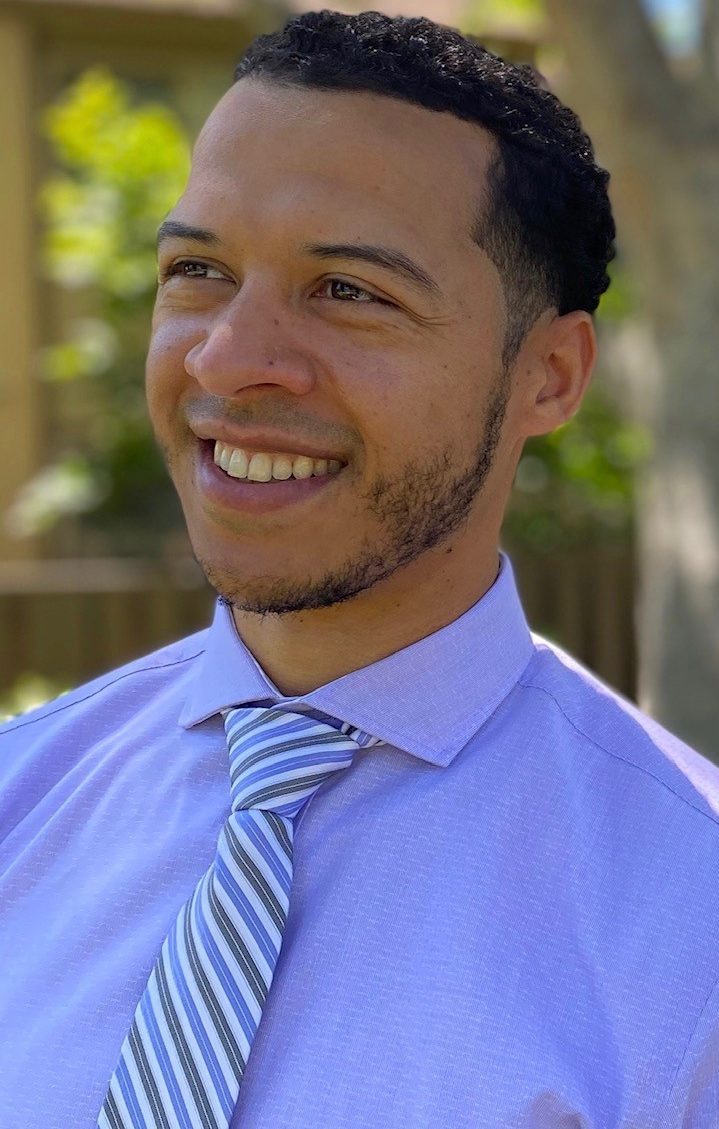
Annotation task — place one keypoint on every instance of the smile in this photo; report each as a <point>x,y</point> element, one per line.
<point>232,491</point>
<point>260,466</point>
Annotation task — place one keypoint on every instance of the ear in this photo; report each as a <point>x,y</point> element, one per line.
<point>563,357</point>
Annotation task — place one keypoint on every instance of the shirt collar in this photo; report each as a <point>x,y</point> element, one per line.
<point>428,699</point>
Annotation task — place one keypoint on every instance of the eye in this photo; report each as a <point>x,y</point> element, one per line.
<point>349,286</point>
<point>189,268</point>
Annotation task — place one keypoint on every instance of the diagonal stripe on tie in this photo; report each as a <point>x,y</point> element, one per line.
<point>182,1062</point>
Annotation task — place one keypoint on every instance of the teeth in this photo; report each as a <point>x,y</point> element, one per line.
<point>259,470</point>
<point>237,464</point>
<point>302,466</point>
<point>282,466</point>
<point>262,467</point>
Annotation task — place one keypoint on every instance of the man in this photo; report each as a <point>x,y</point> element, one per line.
<point>450,879</point>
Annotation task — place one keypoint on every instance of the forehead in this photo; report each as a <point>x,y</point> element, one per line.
<point>294,153</point>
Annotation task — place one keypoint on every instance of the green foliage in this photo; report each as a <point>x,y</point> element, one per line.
<point>481,16</point>
<point>577,485</point>
<point>125,166</point>
<point>71,486</point>
<point>30,691</point>
<point>122,166</point>
<point>620,300</point>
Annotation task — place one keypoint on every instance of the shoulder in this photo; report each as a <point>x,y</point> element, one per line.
<point>126,688</point>
<point>78,740</point>
<point>595,717</point>
<point>638,813</point>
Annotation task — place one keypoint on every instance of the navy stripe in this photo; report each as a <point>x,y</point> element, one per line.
<point>183,1052</point>
<point>243,956</point>
<point>222,1027</point>
<point>281,828</point>
<point>111,1111</point>
<point>160,1048</point>
<point>189,1000</point>
<point>232,989</point>
<point>265,845</point>
<point>248,914</point>
<point>286,768</point>
<point>256,879</point>
<point>284,788</point>
<point>128,1093</point>
<point>146,1077</point>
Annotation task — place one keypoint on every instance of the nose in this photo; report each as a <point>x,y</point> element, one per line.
<point>245,346</point>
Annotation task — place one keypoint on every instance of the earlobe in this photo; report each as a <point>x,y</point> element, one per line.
<point>564,363</point>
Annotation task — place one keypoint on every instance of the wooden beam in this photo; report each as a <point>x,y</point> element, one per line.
<point>19,391</point>
<point>227,27</point>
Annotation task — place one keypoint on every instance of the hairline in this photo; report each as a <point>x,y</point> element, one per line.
<point>488,201</point>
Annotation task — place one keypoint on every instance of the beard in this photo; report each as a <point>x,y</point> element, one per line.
<point>416,510</point>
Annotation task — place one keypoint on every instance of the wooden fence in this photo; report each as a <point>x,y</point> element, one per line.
<point>69,620</point>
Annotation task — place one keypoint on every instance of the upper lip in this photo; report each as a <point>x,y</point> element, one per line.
<point>262,440</point>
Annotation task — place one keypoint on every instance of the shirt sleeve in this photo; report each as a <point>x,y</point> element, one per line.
<point>694,1098</point>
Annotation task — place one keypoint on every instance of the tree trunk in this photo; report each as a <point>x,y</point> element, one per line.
<point>657,134</point>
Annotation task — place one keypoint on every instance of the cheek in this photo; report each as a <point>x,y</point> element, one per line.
<point>169,344</point>
<point>156,383</point>
<point>165,374</point>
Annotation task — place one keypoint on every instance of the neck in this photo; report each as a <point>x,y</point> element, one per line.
<point>304,650</point>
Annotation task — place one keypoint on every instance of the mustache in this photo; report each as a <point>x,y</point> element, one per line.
<point>282,417</point>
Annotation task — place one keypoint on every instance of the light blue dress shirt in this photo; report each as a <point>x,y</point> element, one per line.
<point>506,915</point>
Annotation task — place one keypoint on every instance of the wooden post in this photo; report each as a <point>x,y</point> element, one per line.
<point>19,392</point>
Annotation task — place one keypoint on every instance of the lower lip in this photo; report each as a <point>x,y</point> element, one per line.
<point>254,497</point>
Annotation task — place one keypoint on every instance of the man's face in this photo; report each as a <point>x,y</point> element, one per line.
<point>400,380</point>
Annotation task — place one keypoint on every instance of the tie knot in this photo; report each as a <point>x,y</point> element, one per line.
<point>279,759</point>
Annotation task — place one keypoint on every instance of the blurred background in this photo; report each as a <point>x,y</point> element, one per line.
<point>614,523</point>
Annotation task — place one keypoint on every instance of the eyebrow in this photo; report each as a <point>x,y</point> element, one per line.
<point>387,257</point>
<point>170,229</point>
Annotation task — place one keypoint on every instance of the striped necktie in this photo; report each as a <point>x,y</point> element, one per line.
<point>182,1062</point>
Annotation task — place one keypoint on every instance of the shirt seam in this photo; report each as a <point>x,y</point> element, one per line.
<point>690,1040</point>
<point>21,722</point>
<point>617,756</point>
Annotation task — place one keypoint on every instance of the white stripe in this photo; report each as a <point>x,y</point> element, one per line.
<point>263,830</point>
<point>266,922</point>
<point>223,1000</point>
<point>206,1018</point>
<point>283,772</point>
<point>277,851</point>
<point>222,1003</point>
<point>242,789</point>
<point>286,744</point>
<point>271,740</point>
<point>206,1081</point>
<point>265,968</point>
<point>120,1102</point>
<point>262,734</point>
<point>154,1068</point>
<point>140,1094</point>
<point>247,889</point>
<point>170,1050</point>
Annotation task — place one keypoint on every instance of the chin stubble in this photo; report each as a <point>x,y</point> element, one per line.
<point>415,512</point>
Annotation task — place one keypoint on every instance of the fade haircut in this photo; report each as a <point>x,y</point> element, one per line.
<point>546,221</point>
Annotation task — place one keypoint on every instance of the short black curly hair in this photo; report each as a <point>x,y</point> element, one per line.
<point>547,222</point>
